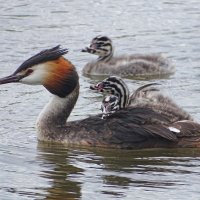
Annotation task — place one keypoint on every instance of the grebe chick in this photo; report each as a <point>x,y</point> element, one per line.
<point>126,128</point>
<point>145,96</point>
<point>136,65</point>
<point>110,104</point>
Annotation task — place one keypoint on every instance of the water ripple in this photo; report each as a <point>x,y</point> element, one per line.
<point>32,170</point>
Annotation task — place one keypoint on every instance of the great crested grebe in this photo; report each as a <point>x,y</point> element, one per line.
<point>136,65</point>
<point>145,96</point>
<point>137,127</point>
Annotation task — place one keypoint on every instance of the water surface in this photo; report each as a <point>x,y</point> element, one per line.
<point>32,170</point>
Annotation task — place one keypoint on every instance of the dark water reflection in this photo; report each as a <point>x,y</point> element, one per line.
<point>58,171</point>
<point>109,174</point>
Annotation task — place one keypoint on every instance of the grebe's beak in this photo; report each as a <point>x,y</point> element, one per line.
<point>88,50</point>
<point>98,86</point>
<point>84,50</point>
<point>11,79</point>
<point>91,49</point>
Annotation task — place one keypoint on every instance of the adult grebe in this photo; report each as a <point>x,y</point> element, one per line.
<point>145,96</point>
<point>128,128</point>
<point>137,65</point>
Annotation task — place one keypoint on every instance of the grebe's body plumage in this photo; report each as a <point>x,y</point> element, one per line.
<point>128,128</point>
<point>136,65</point>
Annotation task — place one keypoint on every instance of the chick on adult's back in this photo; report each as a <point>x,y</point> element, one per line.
<point>145,97</point>
<point>135,65</point>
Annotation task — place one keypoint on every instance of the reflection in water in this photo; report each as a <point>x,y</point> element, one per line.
<point>58,171</point>
<point>74,172</point>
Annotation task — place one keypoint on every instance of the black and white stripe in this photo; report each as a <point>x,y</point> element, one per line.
<point>115,86</point>
<point>119,97</point>
<point>101,46</point>
<point>110,104</point>
<point>119,89</point>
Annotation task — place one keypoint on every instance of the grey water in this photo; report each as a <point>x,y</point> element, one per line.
<point>32,170</point>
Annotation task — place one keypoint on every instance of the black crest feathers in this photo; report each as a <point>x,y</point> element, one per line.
<point>44,56</point>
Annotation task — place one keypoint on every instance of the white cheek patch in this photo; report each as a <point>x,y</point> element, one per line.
<point>173,129</point>
<point>36,77</point>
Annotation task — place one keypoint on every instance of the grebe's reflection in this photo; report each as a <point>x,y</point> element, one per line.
<point>73,172</point>
<point>57,171</point>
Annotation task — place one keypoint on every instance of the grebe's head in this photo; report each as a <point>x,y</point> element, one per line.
<point>110,104</point>
<point>116,86</point>
<point>111,85</point>
<point>104,87</point>
<point>101,46</point>
<point>48,68</point>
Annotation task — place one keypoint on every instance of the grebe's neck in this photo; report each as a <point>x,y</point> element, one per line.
<point>107,57</point>
<point>55,114</point>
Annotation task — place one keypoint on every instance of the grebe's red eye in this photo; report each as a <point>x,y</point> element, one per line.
<point>29,71</point>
